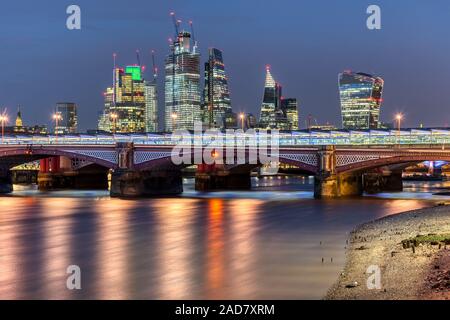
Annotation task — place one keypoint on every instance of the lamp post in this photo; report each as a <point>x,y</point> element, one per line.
<point>242,117</point>
<point>3,119</point>
<point>174,117</point>
<point>114,117</point>
<point>57,117</point>
<point>399,118</point>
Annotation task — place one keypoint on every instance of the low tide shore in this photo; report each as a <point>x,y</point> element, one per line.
<point>408,269</point>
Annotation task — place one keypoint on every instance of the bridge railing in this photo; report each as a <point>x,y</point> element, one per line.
<point>296,138</point>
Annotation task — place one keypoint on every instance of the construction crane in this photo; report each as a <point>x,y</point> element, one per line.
<point>176,23</point>
<point>194,49</point>
<point>155,68</point>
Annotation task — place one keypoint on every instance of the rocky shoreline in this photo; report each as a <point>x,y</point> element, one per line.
<point>409,268</point>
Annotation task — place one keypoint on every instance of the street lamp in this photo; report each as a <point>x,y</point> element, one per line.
<point>399,118</point>
<point>242,117</point>
<point>57,117</point>
<point>114,117</point>
<point>3,119</point>
<point>174,117</point>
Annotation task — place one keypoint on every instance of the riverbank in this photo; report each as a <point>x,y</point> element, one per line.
<point>409,270</point>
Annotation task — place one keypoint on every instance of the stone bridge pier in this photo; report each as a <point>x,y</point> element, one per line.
<point>328,183</point>
<point>219,177</point>
<point>126,181</point>
<point>383,180</point>
<point>6,184</point>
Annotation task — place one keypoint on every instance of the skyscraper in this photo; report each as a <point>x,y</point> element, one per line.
<point>182,84</point>
<point>290,110</point>
<point>216,95</point>
<point>68,122</point>
<point>361,98</point>
<point>125,103</point>
<point>271,102</point>
<point>151,106</point>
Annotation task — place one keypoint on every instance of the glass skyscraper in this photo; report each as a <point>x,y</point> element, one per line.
<point>361,98</point>
<point>182,84</point>
<point>68,122</point>
<point>290,110</point>
<point>271,102</point>
<point>151,106</point>
<point>125,103</point>
<point>216,95</point>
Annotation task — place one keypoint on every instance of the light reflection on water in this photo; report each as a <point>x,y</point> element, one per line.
<point>243,245</point>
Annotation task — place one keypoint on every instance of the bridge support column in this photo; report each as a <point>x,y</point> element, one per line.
<point>375,182</point>
<point>129,183</point>
<point>6,185</point>
<point>338,185</point>
<point>210,178</point>
<point>330,184</point>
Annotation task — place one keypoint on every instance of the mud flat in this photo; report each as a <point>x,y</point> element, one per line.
<point>412,252</point>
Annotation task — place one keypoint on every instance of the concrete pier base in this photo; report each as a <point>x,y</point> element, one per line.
<point>383,182</point>
<point>132,184</point>
<point>6,185</point>
<point>72,180</point>
<point>338,185</point>
<point>222,181</point>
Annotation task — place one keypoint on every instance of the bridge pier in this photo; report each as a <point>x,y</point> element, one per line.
<point>390,181</point>
<point>6,185</point>
<point>216,177</point>
<point>130,183</point>
<point>338,185</point>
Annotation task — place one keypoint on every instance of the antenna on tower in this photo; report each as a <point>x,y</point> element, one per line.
<point>193,37</point>
<point>138,57</point>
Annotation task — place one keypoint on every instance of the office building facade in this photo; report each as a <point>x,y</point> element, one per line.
<point>182,84</point>
<point>216,94</point>
<point>361,98</point>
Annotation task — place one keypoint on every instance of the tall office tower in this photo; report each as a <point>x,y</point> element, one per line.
<point>182,84</point>
<point>290,110</point>
<point>216,95</point>
<point>361,97</point>
<point>68,122</point>
<point>251,121</point>
<point>125,103</point>
<point>271,102</point>
<point>151,106</point>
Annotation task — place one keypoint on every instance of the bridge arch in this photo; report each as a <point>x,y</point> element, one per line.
<point>390,161</point>
<point>18,155</point>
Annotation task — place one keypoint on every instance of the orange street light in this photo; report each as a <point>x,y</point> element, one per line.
<point>242,117</point>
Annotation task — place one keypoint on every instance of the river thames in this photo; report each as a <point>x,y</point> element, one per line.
<point>274,242</point>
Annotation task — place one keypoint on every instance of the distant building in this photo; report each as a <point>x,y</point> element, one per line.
<point>182,84</point>
<point>271,102</point>
<point>125,102</point>
<point>324,127</point>
<point>361,98</point>
<point>68,122</point>
<point>251,121</point>
<point>151,106</point>
<point>290,110</point>
<point>216,95</point>
<point>20,128</point>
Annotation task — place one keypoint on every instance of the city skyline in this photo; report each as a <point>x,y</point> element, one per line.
<point>308,67</point>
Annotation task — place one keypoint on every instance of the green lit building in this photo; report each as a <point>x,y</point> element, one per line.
<point>125,102</point>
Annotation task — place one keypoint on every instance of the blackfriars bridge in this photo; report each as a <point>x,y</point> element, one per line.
<point>343,163</point>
